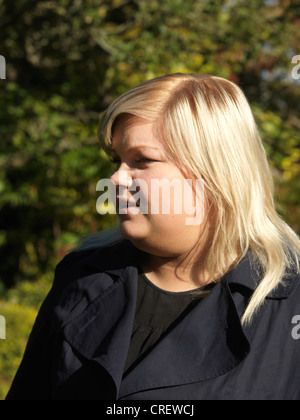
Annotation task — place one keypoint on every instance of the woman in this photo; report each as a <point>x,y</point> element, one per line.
<point>169,309</point>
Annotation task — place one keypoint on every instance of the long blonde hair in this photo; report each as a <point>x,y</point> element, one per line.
<point>207,126</point>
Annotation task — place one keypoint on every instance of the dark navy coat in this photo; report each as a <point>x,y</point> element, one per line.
<point>79,344</point>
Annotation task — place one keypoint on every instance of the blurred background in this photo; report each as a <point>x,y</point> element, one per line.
<point>66,61</point>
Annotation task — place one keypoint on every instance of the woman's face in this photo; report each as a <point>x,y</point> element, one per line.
<point>141,164</point>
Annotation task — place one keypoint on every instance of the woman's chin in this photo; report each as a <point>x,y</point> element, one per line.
<point>132,230</point>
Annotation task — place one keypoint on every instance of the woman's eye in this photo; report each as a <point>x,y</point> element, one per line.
<point>138,161</point>
<point>144,160</point>
<point>116,161</point>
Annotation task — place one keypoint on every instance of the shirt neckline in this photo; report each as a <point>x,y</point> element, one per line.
<point>169,293</point>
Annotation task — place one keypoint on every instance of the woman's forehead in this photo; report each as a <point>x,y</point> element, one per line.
<point>136,132</point>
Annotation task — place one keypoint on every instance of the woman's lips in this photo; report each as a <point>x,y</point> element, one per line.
<point>126,207</point>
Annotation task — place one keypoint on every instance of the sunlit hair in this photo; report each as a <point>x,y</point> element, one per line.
<point>206,126</point>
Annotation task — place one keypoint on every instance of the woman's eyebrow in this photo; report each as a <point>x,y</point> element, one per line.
<point>130,149</point>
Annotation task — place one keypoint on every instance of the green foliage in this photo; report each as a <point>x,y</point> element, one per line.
<point>19,322</point>
<point>66,61</point>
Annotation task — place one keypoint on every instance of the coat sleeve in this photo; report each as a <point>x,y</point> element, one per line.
<point>33,378</point>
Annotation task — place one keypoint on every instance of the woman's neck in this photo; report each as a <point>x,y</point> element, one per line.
<point>174,274</point>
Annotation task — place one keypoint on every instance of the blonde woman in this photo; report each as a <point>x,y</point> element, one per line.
<point>166,309</point>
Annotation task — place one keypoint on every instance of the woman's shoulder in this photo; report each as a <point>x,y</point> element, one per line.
<point>85,262</point>
<point>81,276</point>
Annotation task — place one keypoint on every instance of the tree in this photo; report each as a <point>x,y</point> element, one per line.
<point>66,61</point>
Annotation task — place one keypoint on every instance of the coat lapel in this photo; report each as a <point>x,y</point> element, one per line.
<point>206,344</point>
<point>102,332</point>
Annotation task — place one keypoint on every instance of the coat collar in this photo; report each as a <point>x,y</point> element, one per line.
<point>247,274</point>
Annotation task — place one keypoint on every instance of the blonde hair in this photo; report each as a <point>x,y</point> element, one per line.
<point>207,126</point>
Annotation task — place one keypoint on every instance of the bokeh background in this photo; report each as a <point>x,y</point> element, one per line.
<point>66,61</point>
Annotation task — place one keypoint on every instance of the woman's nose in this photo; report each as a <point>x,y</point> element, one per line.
<point>122,177</point>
